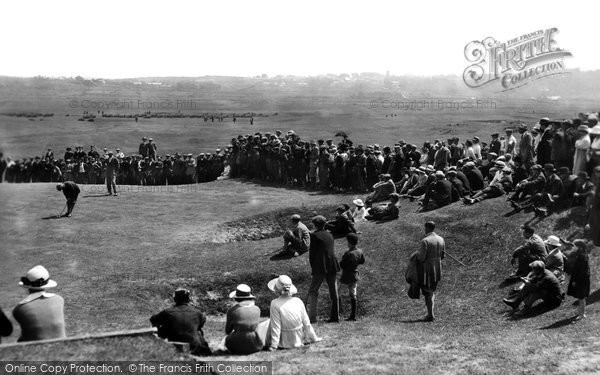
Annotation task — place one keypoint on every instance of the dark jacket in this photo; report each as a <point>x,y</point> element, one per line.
<point>549,287</point>
<point>554,186</point>
<point>6,327</point>
<point>440,192</point>
<point>579,268</point>
<point>534,248</point>
<point>71,190</point>
<point>475,179</point>
<point>321,254</point>
<point>182,323</point>
<point>240,328</point>
<point>349,264</point>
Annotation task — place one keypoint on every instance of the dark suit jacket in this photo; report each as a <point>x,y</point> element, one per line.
<point>321,254</point>
<point>182,323</point>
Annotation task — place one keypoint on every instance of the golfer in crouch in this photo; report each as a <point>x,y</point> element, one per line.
<point>71,192</point>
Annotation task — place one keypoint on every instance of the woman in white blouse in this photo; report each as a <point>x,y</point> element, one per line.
<point>581,150</point>
<point>289,323</point>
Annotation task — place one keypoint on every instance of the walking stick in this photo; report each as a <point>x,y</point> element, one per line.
<point>450,255</point>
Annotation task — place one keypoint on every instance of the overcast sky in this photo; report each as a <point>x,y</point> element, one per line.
<point>117,39</point>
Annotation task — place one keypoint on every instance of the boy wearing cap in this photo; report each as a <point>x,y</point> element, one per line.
<point>540,284</point>
<point>351,259</point>
<point>41,314</point>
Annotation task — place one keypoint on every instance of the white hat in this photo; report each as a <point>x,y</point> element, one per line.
<point>37,279</point>
<point>553,240</point>
<point>358,202</point>
<point>595,130</point>
<point>280,283</point>
<point>242,291</point>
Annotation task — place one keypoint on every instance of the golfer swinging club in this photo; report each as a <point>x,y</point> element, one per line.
<point>71,191</point>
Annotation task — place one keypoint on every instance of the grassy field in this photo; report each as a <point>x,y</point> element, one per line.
<point>373,118</point>
<point>119,258</point>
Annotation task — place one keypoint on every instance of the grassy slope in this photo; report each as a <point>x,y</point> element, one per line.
<point>119,258</point>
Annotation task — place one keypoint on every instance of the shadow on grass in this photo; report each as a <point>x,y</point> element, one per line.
<point>52,217</point>
<point>561,323</point>
<point>534,311</point>
<point>593,298</point>
<point>95,196</point>
<point>576,217</point>
<point>411,321</point>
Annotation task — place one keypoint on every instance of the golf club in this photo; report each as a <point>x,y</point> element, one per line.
<point>61,211</point>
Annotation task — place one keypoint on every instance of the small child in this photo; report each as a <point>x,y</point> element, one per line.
<point>350,262</point>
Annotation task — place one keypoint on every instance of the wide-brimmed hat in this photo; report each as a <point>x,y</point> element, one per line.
<point>37,278</point>
<point>553,240</point>
<point>595,130</point>
<point>281,283</point>
<point>500,164</point>
<point>583,128</point>
<point>358,202</point>
<point>242,291</point>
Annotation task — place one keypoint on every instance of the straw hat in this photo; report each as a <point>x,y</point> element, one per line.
<point>553,240</point>
<point>242,291</point>
<point>37,279</point>
<point>281,283</point>
<point>358,202</point>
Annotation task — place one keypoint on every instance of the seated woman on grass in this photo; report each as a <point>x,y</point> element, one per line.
<point>289,323</point>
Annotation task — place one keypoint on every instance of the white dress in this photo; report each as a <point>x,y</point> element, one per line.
<point>289,323</point>
<point>580,159</point>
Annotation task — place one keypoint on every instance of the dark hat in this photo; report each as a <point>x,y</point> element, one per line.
<point>495,135</point>
<point>527,228</point>
<point>563,170</point>
<point>549,167</point>
<point>295,217</point>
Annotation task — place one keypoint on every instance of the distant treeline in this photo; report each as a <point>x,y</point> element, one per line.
<point>28,114</point>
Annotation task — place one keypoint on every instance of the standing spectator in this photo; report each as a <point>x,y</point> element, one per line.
<point>6,327</point>
<point>594,213</point>
<point>510,143</point>
<point>289,323</point>
<point>495,144</point>
<point>544,147</point>
<point>41,314</point>
<point>182,322</point>
<point>143,148</point>
<point>429,267</point>
<point>324,266</point>
<point>594,151</point>
<point>579,282</point>
<point>582,144</point>
<point>151,149</point>
<point>112,168</point>
<point>477,148</point>
<point>526,149</point>
<point>349,264</point>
